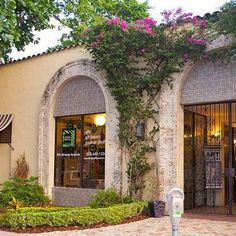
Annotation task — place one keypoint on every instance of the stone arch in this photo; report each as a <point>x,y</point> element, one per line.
<point>84,68</point>
<point>171,115</point>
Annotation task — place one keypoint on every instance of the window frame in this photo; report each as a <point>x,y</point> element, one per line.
<point>81,160</point>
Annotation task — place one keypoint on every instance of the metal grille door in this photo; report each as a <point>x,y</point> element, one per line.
<point>209,158</point>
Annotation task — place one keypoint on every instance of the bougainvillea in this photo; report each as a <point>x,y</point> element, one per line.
<point>139,57</point>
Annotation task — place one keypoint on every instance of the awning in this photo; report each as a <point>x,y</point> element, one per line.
<point>5,120</point>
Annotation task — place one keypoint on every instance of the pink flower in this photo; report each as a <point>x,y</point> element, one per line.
<point>94,44</point>
<point>123,25</point>
<point>100,36</point>
<point>117,21</point>
<point>87,30</point>
<point>199,41</point>
<point>186,15</point>
<point>186,56</point>
<point>178,11</point>
<point>114,21</point>
<point>142,50</point>
<point>206,56</point>
<point>189,39</point>
<point>195,20</point>
<point>203,23</point>
<point>146,21</point>
<point>148,29</point>
<point>149,21</point>
<point>174,25</point>
<point>167,15</point>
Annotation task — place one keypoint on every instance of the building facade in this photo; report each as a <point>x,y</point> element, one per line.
<point>65,120</point>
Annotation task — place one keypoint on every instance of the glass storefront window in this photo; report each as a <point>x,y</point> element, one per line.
<point>80,151</point>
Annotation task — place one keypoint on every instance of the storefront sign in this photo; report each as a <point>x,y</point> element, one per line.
<point>60,154</point>
<point>213,167</point>
<point>68,138</point>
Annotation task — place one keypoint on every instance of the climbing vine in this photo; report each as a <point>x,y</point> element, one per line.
<point>138,58</point>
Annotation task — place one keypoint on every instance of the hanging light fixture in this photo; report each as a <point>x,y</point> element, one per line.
<point>100,120</point>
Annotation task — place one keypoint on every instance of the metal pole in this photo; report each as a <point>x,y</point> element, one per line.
<point>174,230</point>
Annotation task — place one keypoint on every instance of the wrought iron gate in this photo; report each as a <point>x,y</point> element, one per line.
<point>209,158</point>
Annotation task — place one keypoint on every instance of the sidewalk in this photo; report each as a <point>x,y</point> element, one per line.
<point>152,227</point>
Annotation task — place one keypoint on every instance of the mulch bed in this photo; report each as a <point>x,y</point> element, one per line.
<point>42,229</point>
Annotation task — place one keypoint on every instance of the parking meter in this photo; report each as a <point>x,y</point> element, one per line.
<point>175,199</point>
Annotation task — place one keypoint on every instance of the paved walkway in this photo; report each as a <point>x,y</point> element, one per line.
<point>152,227</point>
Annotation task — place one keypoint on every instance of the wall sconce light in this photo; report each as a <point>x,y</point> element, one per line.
<point>140,130</point>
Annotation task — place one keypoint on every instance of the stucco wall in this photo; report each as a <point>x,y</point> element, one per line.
<point>5,159</point>
<point>22,85</point>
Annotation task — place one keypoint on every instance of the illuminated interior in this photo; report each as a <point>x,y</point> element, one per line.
<point>80,151</point>
<point>209,149</point>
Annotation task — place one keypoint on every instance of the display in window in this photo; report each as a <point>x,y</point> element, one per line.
<point>68,140</point>
<point>80,146</point>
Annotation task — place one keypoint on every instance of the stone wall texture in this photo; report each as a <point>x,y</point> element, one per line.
<point>80,96</point>
<point>71,196</point>
<point>210,82</point>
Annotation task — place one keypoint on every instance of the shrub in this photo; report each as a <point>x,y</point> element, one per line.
<point>105,198</point>
<point>75,216</point>
<point>27,192</point>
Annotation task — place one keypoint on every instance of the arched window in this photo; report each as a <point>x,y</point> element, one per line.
<point>80,134</point>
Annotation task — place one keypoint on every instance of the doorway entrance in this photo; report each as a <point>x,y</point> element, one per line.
<point>210,158</point>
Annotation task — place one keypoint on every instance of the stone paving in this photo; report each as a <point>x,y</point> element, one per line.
<point>152,227</point>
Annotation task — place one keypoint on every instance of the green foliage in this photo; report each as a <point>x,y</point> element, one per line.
<point>84,217</point>
<point>44,209</point>
<point>105,198</point>
<point>16,204</point>
<point>18,19</point>
<point>227,18</point>
<point>225,23</point>
<point>139,57</point>
<point>137,168</point>
<point>18,192</point>
<point>78,15</point>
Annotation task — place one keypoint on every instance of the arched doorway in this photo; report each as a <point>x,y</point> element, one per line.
<point>208,97</point>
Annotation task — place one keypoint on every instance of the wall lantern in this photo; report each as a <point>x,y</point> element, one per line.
<point>140,129</point>
<point>100,120</point>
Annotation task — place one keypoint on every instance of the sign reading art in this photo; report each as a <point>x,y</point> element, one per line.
<point>213,167</point>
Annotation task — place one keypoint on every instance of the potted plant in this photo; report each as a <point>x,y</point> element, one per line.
<point>156,208</point>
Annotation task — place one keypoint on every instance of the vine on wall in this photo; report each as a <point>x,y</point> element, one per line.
<point>138,58</point>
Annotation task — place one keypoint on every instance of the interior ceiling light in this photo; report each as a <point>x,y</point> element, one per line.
<point>100,120</point>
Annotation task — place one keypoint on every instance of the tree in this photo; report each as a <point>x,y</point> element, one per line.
<point>227,18</point>
<point>81,14</point>
<point>18,20</point>
<point>225,23</point>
